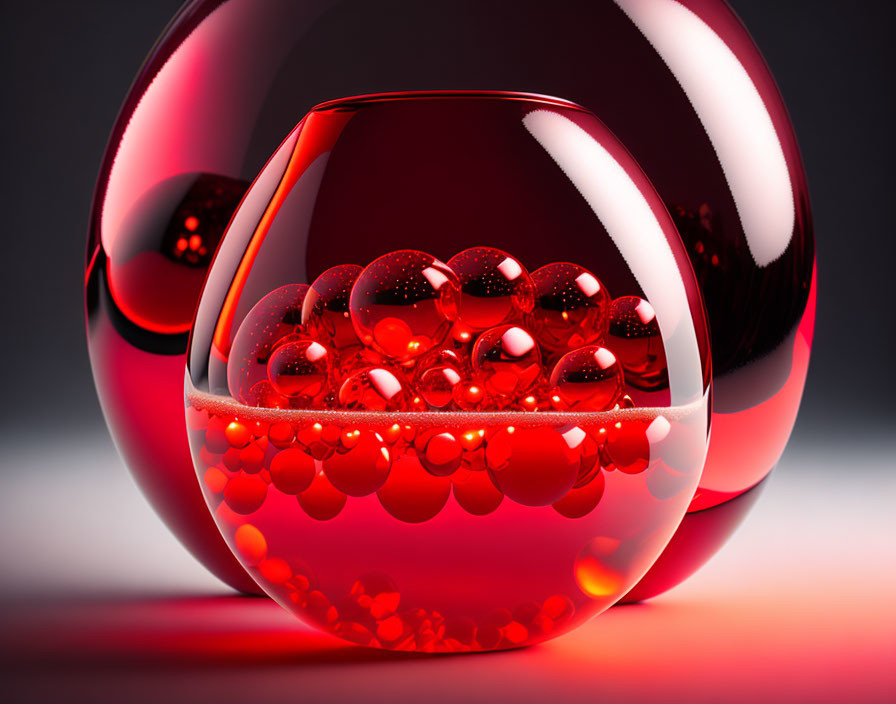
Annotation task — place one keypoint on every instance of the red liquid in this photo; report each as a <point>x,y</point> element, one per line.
<point>431,561</point>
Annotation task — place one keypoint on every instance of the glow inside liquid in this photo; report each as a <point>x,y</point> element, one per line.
<point>454,581</point>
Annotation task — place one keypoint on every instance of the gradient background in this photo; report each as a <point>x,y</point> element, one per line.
<point>817,555</point>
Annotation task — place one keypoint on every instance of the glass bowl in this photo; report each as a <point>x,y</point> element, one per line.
<point>680,82</point>
<point>486,416</point>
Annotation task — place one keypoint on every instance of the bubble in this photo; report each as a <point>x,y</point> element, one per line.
<point>376,593</point>
<point>245,493</point>
<point>362,469</point>
<point>571,307</point>
<point>532,466</point>
<point>300,371</point>
<point>583,500</point>
<point>476,493</point>
<point>264,395</point>
<point>215,480</point>
<point>587,379</point>
<point>507,360</point>
<point>441,454</point>
<point>292,470</point>
<point>322,501</point>
<point>635,337</point>
<point>402,304</point>
<point>628,447</point>
<point>437,374</point>
<point>252,458</point>
<point>375,389</point>
<point>250,544</point>
<point>325,311</point>
<point>470,395</point>
<point>411,494</point>
<point>237,434</point>
<point>271,319</point>
<point>495,288</point>
<point>275,570</point>
<point>216,435</point>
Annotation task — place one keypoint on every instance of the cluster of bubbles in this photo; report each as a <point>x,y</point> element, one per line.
<point>480,333</point>
<point>372,612</point>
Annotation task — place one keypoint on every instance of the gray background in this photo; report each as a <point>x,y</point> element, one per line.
<point>66,67</point>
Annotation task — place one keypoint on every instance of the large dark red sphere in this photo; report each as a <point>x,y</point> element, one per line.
<point>680,82</point>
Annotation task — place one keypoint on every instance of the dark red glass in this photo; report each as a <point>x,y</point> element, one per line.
<point>680,82</point>
<point>562,531</point>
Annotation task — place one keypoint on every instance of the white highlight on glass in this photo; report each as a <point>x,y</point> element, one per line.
<point>574,437</point>
<point>604,358</point>
<point>658,430</point>
<point>435,277</point>
<point>510,268</point>
<point>734,117</point>
<point>645,312</point>
<point>587,284</point>
<point>315,351</point>
<point>630,221</point>
<point>385,382</point>
<point>517,342</point>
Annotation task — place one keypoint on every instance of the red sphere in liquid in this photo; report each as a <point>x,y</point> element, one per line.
<point>325,311</point>
<point>587,379</point>
<point>635,338</point>
<point>273,318</point>
<point>495,288</point>
<point>300,371</point>
<point>402,304</point>
<point>375,389</point>
<point>507,360</point>
<point>532,466</point>
<point>571,307</point>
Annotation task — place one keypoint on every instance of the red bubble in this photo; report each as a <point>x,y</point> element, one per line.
<point>587,379</point>
<point>507,360</point>
<point>322,501</point>
<point>281,434</point>
<point>245,493</point>
<point>402,304</point>
<point>215,435</point>
<point>495,289</point>
<point>411,494</point>
<point>300,371</point>
<point>292,470</point>
<point>375,389</point>
<point>361,470</point>
<point>476,493</point>
<point>635,337</point>
<point>325,311</point>
<point>231,459</point>
<point>470,395</point>
<point>582,501</point>
<point>275,570</point>
<point>250,544</point>
<point>437,375</point>
<point>442,454</point>
<point>271,319</point>
<point>237,434</point>
<point>532,466</point>
<point>215,480</point>
<point>376,594</point>
<point>571,307</point>
<point>252,458</point>
<point>628,447</point>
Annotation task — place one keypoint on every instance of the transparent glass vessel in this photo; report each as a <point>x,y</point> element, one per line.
<point>682,85</point>
<point>449,442</point>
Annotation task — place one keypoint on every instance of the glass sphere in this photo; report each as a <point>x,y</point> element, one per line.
<point>366,182</point>
<point>680,82</point>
